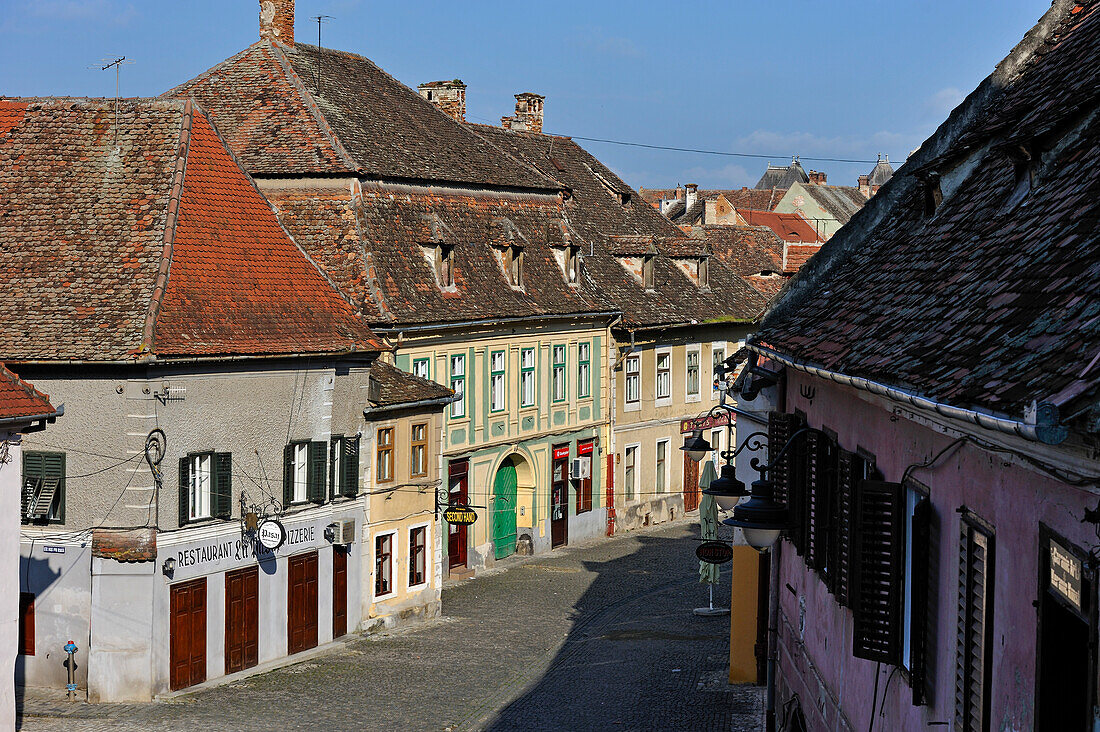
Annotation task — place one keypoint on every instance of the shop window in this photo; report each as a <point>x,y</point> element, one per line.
<point>418,555</point>
<point>304,472</point>
<point>43,497</point>
<point>584,485</point>
<point>384,462</point>
<point>344,466</point>
<point>419,458</point>
<point>383,565</point>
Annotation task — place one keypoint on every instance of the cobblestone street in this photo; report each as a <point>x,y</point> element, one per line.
<point>595,637</point>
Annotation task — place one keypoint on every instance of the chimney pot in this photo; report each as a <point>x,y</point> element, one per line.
<point>691,195</point>
<point>528,117</point>
<point>277,21</point>
<point>448,96</point>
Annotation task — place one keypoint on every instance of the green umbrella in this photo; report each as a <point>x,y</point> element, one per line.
<point>708,523</point>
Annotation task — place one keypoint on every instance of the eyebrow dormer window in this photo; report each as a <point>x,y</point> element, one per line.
<point>513,265</point>
<point>572,264</point>
<point>445,265</point>
<point>704,272</point>
<point>647,271</point>
<point>933,196</point>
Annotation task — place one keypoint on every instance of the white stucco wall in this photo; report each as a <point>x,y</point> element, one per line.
<point>10,469</point>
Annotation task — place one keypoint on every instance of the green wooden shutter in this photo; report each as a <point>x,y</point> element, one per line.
<point>223,485</point>
<point>54,464</point>
<point>288,475</point>
<point>185,484</point>
<point>315,480</point>
<point>920,612</point>
<point>349,482</point>
<point>32,474</point>
<point>335,488</point>
<point>879,558</point>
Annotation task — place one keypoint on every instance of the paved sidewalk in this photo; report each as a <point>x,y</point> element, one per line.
<point>597,637</point>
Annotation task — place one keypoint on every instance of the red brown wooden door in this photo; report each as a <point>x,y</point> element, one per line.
<point>187,628</point>
<point>339,591</point>
<point>302,602</point>
<point>458,495</point>
<point>691,484</point>
<point>242,619</point>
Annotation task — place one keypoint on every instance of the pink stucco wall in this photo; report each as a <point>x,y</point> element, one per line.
<point>834,688</point>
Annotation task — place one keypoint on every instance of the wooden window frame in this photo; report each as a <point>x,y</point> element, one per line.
<point>584,485</point>
<point>384,455</point>
<point>717,356</point>
<point>418,554</point>
<point>630,480</point>
<point>458,385</point>
<point>632,377</point>
<point>418,445</point>
<point>390,560</point>
<point>584,370</point>
<point>661,476</point>
<point>527,378</point>
<point>559,382</point>
<point>697,370</point>
<point>666,372</point>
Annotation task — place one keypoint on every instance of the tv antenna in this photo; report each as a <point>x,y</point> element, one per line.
<point>321,19</point>
<point>116,64</point>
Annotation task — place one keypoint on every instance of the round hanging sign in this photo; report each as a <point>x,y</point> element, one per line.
<point>714,552</point>
<point>271,534</point>
<point>460,515</point>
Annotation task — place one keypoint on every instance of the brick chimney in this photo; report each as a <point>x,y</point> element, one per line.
<point>691,195</point>
<point>528,117</point>
<point>865,185</point>
<point>449,96</point>
<point>277,21</point>
<point>817,178</point>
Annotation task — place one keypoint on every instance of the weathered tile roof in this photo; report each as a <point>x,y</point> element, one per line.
<point>992,301</point>
<point>154,243</point>
<point>787,226</point>
<point>18,398</point>
<point>841,202</point>
<point>299,110</point>
<point>596,211</point>
<point>372,245</point>
<point>881,173</point>
<point>396,387</point>
<point>748,250</point>
<point>782,176</point>
<point>751,198</point>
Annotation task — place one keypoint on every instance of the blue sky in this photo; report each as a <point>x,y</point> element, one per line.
<point>826,78</point>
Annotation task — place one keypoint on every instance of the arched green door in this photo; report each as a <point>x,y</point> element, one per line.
<point>504,511</point>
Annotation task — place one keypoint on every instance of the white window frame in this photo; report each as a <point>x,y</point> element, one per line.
<point>584,371</point>
<point>661,490</point>
<point>395,549</point>
<point>528,394</point>
<point>666,398</point>
<point>202,486</point>
<point>498,379</point>
<point>458,385</point>
<point>299,471</point>
<point>630,491</point>
<point>558,382</point>
<point>716,446</point>
<point>426,371</point>
<point>632,376</point>
<point>428,568</point>
<point>715,392</point>
<point>697,395</point>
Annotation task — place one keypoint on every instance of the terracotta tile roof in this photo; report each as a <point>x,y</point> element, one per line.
<point>768,285</point>
<point>299,109</point>
<point>748,250</point>
<point>374,247</point>
<point>798,255</point>
<point>395,387</point>
<point>114,252</point>
<point>840,202</point>
<point>789,227</point>
<point>20,399</point>
<point>990,302</point>
<point>751,198</point>
<point>612,225</point>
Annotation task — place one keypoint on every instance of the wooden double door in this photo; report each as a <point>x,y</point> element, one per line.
<point>692,494</point>
<point>559,497</point>
<point>301,602</point>
<point>458,495</point>
<point>187,628</point>
<point>242,619</point>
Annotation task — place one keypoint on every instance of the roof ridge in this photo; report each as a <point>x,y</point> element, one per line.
<point>179,172</point>
<point>210,71</point>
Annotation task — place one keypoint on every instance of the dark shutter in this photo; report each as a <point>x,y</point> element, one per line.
<point>288,475</point>
<point>223,485</point>
<point>335,488</point>
<point>974,626</point>
<point>185,488</point>
<point>32,476</point>
<point>919,612</point>
<point>878,555</point>
<point>315,480</point>
<point>349,482</point>
<point>845,521</point>
<point>780,428</point>
<point>820,515</point>
<point>53,466</point>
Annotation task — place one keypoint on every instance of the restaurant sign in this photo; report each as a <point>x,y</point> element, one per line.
<point>714,552</point>
<point>705,422</point>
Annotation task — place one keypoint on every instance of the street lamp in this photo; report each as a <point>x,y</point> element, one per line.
<point>726,488</point>
<point>696,447</point>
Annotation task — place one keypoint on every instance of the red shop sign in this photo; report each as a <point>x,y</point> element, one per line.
<point>561,452</point>
<point>584,448</point>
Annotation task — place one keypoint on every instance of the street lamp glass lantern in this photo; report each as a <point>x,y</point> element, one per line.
<point>761,518</point>
<point>696,446</point>
<point>726,488</point>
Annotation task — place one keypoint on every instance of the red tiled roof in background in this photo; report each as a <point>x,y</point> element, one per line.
<point>20,399</point>
<point>238,283</point>
<point>798,255</point>
<point>789,227</point>
<point>11,114</point>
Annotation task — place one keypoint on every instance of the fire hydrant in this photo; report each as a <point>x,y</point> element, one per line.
<point>71,649</point>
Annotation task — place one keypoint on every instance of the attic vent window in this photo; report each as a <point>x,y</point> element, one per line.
<point>1027,167</point>
<point>442,260</point>
<point>572,264</point>
<point>647,271</point>
<point>933,196</point>
<point>513,265</point>
<point>624,198</point>
<point>704,272</point>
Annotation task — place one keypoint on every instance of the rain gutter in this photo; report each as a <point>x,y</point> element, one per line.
<point>1044,427</point>
<point>492,321</point>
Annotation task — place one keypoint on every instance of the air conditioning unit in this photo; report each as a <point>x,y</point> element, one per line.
<point>580,468</point>
<point>342,532</point>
